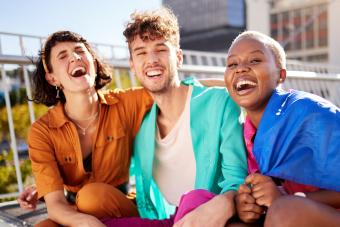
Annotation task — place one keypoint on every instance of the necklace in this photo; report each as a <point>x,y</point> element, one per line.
<point>90,119</point>
<point>83,129</point>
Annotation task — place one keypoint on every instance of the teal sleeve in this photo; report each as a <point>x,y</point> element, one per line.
<point>234,162</point>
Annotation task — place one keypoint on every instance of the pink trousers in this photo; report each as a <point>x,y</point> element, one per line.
<point>188,202</point>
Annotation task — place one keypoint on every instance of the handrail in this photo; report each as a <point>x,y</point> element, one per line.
<point>325,82</point>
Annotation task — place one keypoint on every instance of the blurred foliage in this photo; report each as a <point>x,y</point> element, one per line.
<point>8,180</point>
<point>124,78</point>
<point>21,120</point>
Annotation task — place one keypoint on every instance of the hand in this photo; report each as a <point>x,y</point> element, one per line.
<point>263,189</point>
<point>247,209</point>
<point>28,199</point>
<point>215,212</point>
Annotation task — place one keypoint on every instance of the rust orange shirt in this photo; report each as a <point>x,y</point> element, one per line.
<point>54,146</point>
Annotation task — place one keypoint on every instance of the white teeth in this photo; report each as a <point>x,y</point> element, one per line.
<point>79,68</point>
<point>153,72</point>
<point>244,82</point>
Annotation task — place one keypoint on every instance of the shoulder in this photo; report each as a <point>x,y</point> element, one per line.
<point>310,101</point>
<point>40,128</point>
<point>44,120</point>
<point>215,96</point>
<point>300,105</point>
<point>212,92</point>
<point>124,95</point>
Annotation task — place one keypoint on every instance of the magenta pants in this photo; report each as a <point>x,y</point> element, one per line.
<point>188,202</point>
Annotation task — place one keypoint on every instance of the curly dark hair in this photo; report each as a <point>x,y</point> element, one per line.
<point>44,92</point>
<point>160,23</point>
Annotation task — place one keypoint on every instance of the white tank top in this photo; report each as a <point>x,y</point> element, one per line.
<point>174,167</point>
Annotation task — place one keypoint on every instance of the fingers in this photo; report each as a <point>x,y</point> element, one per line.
<point>28,198</point>
<point>249,217</point>
<point>246,206</point>
<point>25,205</point>
<point>250,207</point>
<point>244,198</point>
<point>32,195</point>
<point>256,178</point>
<point>265,193</point>
<point>243,189</point>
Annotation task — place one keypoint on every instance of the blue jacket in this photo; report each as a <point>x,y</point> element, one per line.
<point>298,139</point>
<point>218,146</point>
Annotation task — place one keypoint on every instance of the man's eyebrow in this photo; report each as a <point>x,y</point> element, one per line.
<point>161,44</point>
<point>138,48</point>
<point>79,47</point>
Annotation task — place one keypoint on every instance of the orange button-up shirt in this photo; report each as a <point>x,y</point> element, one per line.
<point>54,146</point>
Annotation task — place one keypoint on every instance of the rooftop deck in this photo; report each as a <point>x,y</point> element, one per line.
<point>15,69</point>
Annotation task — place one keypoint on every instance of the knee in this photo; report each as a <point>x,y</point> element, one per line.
<point>284,211</point>
<point>90,196</point>
<point>104,200</point>
<point>200,195</point>
<point>192,200</point>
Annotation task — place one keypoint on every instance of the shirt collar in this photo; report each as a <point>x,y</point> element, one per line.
<point>57,117</point>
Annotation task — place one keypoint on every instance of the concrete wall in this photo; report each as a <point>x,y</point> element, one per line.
<point>334,32</point>
<point>258,16</point>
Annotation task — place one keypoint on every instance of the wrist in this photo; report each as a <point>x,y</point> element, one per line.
<point>229,204</point>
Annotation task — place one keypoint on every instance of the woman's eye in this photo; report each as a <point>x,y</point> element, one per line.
<point>254,61</point>
<point>140,53</point>
<point>232,65</point>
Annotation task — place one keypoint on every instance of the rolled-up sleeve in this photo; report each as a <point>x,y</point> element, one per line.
<point>44,164</point>
<point>234,161</point>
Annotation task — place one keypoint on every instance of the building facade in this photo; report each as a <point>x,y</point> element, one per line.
<point>208,25</point>
<point>307,29</point>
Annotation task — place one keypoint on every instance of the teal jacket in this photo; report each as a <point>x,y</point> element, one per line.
<point>218,146</point>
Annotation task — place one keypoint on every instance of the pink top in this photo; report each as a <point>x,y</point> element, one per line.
<point>249,132</point>
<point>249,135</point>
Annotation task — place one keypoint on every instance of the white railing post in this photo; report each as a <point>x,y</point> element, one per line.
<point>5,86</point>
<point>29,93</point>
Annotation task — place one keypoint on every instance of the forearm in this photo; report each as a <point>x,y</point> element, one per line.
<point>60,211</point>
<point>63,214</point>
<point>216,212</point>
<point>227,199</point>
<point>331,198</point>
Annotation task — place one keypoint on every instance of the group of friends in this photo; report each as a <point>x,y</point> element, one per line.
<point>249,155</point>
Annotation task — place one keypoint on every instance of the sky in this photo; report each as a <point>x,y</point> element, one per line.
<point>100,21</point>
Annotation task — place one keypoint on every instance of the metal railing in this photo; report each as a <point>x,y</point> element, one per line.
<point>319,79</point>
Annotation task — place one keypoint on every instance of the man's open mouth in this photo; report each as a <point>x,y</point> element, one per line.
<point>154,73</point>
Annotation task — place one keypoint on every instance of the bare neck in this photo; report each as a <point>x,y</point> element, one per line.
<point>255,117</point>
<point>171,105</point>
<point>81,105</point>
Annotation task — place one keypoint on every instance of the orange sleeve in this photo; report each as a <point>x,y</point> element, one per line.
<point>44,164</point>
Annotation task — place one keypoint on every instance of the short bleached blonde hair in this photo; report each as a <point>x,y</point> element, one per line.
<point>272,44</point>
